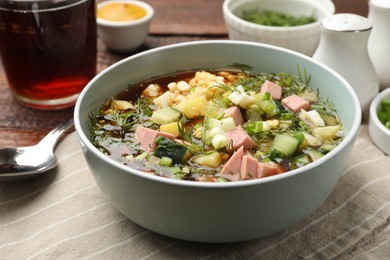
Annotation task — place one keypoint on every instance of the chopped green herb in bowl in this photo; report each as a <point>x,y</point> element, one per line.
<point>291,24</point>
<point>384,112</point>
<point>273,18</point>
<point>379,120</point>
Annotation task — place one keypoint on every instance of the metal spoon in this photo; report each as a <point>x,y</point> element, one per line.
<point>17,163</point>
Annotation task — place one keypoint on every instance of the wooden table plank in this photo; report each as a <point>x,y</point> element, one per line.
<point>359,7</point>
<point>201,17</point>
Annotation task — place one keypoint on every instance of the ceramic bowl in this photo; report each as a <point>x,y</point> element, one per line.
<point>216,212</point>
<point>380,135</point>
<point>303,38</point>
<point>125,36</point>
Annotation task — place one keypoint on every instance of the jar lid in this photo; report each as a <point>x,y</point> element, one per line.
<point>381,3</point>
<point>345,22</point>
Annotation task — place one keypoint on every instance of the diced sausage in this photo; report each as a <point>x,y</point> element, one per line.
<point>235,113</point>
<point>274,89</point>
<point>243,166</point>
<point>248,168</point>
<point>295,103</point>
<point>269,169</point>
<point>239,137</point>
<point>231,169</point>
<point>147,137</point>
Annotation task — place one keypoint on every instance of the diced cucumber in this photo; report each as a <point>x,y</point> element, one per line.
<point>300,160</point>
<point>285,144</point>
<point>327,147</point>
<point>165,115</point>
<point>313,154</point>
<point>309,155</point>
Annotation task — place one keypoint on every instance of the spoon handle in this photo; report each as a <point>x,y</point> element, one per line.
<point>52,138</point>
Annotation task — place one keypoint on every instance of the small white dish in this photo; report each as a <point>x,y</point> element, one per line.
<point>125,36</point>
<point>302,38</point>
<point>379,134</point>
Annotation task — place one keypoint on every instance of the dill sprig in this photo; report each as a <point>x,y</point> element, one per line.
<point>122,119</point>
<point>186,135</point>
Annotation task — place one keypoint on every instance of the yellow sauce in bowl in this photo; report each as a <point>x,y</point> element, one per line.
<point>121,12</point>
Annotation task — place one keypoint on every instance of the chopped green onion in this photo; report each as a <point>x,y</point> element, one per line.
<point>165,161</point>
<point>384,112</point>
<point>254,127</point>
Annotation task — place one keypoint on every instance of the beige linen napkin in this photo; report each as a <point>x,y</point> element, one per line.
<point>63,215</point>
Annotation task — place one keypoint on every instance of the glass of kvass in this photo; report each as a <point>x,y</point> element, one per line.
<point>48,49</point>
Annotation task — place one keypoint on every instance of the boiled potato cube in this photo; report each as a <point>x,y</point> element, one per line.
<point>171,128</point>
<point>194,107</point>
<point>212,160</point>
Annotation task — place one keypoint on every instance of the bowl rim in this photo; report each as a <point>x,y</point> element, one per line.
<point>87,145</point>
<point>148,8</point>
<point>374,107</point>
<point>229,15</point>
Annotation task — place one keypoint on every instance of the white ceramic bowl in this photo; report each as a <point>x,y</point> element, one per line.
<point>125,36</point>
<point>380,135</point>
<point>216,212</point>
<point>304,38</point>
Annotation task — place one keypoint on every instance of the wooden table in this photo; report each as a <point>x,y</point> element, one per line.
<point>175,21</point>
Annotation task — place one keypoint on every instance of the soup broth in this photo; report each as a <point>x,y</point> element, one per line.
<point>217,125</point>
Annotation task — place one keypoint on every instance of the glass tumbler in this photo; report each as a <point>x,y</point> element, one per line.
<point>48,50</point>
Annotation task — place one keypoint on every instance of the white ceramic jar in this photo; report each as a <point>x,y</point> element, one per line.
<point>343,47</point>
<point>379,41</point>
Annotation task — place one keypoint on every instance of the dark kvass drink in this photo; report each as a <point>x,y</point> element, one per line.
<point>48,49</point>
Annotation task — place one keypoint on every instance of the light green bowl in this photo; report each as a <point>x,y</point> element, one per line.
<point>216,212</point>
